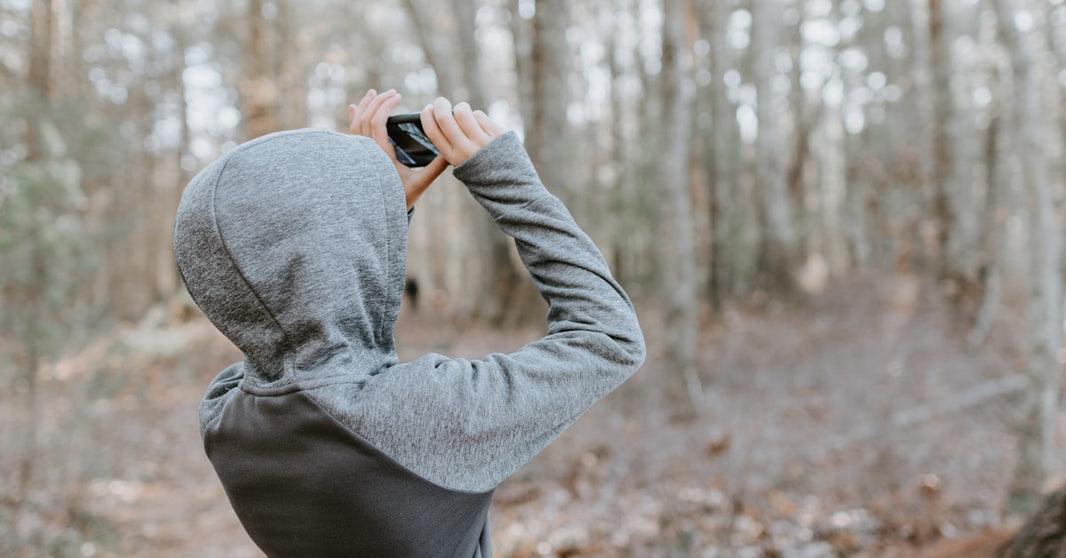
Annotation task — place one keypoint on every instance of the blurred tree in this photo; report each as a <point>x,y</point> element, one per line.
<point>180,17</point>
<point>1036,433</point>
<point>802,120</point>
<point>914,36</point>
<point>43,245</point>
<point>295,56</point>
<point>427,22</point>
<point>859,203</point>
<point>39,79</point>
<point>508,295</point>
<point>1056,31</point>
<point>466,35</point>
<point>260,95</point>
<point>997,202</point>
<point>521,27</point>
<point>992,224</point>
<point>943,155</point>
<point>777,240</point>
<point>679,282</point>
<point>720,150</point>
<point>901,187</point>
<point>42,237</point>
<point>1043,535</point>
<point>547,129</point>
<point>620,169</point>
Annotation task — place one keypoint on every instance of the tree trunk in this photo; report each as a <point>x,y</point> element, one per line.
<point>991,226</point>
<point>521,34</point>
<point>259,89</point>
<point>511,295</point>
<point>922,119</point>
<point>40,56</point>
<point>904,140</point>
<point>470,53</point>
<point>777,243</point>
<point>64,58</point>
<point>546,134</point>
<point>939,60</point>
<point>626,250</point>
<point>1036,434</point>
<point>30,372</point>
<point>951,242</point>
<point>802,119</point>
<point>679,284</point>
<point>1043,535</point>
<point>1057,41</point>
<point>183,158</point>
<point>720,151</point>
<point>292,76</point>
<point>40,84</point>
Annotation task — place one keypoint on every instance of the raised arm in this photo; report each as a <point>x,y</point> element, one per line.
<point>468,424</point>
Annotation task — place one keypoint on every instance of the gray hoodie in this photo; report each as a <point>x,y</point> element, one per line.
<point>294,246</point>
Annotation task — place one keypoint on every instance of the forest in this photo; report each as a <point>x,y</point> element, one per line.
<point>841,222</point>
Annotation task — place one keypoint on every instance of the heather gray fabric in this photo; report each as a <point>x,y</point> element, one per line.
<point>294,246</point>
<point>468,425</point>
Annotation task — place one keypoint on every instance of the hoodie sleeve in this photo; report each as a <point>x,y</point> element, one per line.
<point>469,424</point>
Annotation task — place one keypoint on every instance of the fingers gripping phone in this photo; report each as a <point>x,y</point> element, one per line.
<point>413,147</point>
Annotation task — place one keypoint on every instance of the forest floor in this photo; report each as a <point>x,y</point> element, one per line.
<point>859,423</point>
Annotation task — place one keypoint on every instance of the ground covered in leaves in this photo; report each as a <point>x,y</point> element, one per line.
<point>857,423</point>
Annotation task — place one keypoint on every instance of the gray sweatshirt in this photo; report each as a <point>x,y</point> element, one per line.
<point>294,246</point>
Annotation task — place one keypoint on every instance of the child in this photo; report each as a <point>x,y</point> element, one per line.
<point>294,246</point>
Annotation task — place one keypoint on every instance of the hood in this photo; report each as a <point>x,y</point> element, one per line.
<point>294,246</point>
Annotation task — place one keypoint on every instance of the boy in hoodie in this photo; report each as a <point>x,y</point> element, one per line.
<point>294,246</point>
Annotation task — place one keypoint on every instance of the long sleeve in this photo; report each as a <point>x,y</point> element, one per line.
<point>468,424</point>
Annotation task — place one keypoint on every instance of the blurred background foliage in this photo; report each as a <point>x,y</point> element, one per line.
<point>721,153</point>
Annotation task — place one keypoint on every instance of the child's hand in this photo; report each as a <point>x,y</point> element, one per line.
<point>368,119</point>
<point>458,132</point>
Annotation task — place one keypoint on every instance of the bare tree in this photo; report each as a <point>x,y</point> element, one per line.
<point>42,243</point>
<point>546,132</point>
<point>802,119</point>
<point>522,36</point>
<point>40,83</point>
<point>998,198</point>
<point>1036,436</point>
<point>40,55</point>
<point>953,211</point>
<point>720,149</point>
<point>777,242</point>
<point>473,83</point>
<point>940,64</point>
<point>291,70</point>
<point>679,281</point>
<point>259,88</point>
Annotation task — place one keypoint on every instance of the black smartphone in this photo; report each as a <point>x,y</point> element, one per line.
<point>413,147</point>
